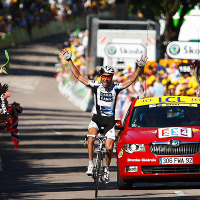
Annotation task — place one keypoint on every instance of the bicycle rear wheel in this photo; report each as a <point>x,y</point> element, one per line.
<point>97,174</point>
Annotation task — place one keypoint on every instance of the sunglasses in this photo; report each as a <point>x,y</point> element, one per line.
<point>109,77</point>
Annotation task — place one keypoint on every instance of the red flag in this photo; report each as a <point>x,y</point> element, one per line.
<point>15,139</point>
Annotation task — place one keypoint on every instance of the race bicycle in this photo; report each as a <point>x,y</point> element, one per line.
<point>98,170</point>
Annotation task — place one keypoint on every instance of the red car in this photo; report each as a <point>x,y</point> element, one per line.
<point>159,141</point>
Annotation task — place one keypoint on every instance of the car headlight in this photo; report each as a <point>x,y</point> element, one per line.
<point>131,148</point>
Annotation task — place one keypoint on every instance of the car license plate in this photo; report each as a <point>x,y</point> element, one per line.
<point>175,160</point>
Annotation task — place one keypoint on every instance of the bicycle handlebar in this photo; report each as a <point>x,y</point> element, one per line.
<point>99,137</point>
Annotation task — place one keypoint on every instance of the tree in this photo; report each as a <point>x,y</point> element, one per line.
<point>1,5</point>
<point>166,9</point>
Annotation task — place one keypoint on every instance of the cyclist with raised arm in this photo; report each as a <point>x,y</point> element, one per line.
<point>105,95</point>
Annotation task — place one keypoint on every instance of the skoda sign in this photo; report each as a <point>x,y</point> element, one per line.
<point>118,50</point>
<point>112,50</point>
<point>174,49</point>
<point>184,50</point>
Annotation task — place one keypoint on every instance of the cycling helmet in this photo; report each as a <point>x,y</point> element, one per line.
<point>106,69</point>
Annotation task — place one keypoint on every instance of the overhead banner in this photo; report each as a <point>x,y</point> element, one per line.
<point>120,48</point>
<point>184,50</point>
<point>124,50</point>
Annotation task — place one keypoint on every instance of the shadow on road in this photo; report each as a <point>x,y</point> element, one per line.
<point>30,72</point>
<point>27,50</point>
<point>24,180</point>
<point>20,176</point>
<point>53,135</point>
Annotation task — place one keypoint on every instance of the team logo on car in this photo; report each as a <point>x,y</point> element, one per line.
<point>175,143</point>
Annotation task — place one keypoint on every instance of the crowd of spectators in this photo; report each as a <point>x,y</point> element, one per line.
<point>27,13</point>
<point>166,77</point>
<point>76,43</point>
<point>160,77</point>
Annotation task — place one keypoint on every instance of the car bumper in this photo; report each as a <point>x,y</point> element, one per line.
<point>140,176</point>
<point>149,168</point>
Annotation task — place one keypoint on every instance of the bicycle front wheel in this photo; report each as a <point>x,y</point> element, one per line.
<point>97,175</point>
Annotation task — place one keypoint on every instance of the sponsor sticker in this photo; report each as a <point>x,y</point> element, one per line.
<point>141,160</point>
<point>120,153</point>
<point>174,132</point>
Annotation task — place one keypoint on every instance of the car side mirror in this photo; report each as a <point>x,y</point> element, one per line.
<point>118,125</point>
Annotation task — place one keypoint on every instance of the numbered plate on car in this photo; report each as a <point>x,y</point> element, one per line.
<point>175,160</point>
<point>174,132</point>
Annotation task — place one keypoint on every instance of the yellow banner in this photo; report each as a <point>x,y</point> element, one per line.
<point>178,100</point>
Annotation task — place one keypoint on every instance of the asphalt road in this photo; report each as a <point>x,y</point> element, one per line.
<point>50,162</point>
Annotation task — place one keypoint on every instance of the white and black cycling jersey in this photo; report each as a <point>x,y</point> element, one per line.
<point>104,98</point>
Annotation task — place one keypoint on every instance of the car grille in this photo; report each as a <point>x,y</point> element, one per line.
<point>167,149</point>
<point>170,169</point>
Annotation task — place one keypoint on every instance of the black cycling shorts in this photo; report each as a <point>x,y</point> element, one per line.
<point>104,123</point>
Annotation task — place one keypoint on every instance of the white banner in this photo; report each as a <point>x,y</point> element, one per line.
<point>184,50</point>
<point>131,50</point>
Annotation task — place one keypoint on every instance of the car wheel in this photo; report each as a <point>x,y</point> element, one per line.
<point>121,184</point>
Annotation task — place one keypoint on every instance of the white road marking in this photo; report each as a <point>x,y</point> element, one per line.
<point>28,87</point>
<point>180,193</point>
<point>58,133</point>
<point>27,83</point>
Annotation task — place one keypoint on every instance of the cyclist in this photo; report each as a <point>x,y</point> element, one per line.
<point>105,95</point>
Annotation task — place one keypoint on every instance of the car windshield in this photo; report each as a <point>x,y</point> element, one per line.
<point>162,116</point>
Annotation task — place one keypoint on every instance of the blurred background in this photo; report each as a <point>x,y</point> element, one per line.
<point>116,33</point>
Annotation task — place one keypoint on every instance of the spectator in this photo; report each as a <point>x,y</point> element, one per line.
<point>182,91</point>
<point>191,92</point>
<point>160,67</point>
<point>158,88</point>
<point>149,88</point>
<point>171,90</point>
<point>173,71</point>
